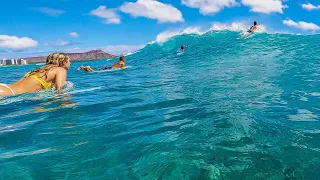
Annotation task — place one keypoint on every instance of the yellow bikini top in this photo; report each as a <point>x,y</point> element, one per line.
<point>44,84</point>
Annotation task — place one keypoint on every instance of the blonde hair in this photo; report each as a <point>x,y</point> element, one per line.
<point>53,60</point>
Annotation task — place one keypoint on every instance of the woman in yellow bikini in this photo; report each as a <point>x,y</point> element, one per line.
<point>53,74</point>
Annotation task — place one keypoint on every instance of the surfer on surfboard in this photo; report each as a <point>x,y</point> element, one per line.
<point>251,30</point>
<point>120,64</point>
<point>182,48</point>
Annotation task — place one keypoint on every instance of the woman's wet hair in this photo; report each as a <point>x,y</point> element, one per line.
<point>57,59</point>
<point>255,23</point>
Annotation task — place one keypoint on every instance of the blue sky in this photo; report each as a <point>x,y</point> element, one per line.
<point>39,27</point>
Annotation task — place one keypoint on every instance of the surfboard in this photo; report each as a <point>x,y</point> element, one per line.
<point>110,70</point>
<point>245,35</point>
<point>179,52</point>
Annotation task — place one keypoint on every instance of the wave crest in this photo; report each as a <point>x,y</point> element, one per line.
<point>217,26</point>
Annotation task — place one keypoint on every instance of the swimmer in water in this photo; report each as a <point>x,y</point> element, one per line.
<point>120,64</point>
<point>183,48</point>
<point>53,74</point>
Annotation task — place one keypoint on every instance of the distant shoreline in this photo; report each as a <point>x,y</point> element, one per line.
<point>83,60</point>
<point>86,56</point>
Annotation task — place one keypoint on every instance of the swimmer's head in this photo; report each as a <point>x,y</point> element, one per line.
<point>255,23</point>
<point>122,58</point>
<point>59,59</point>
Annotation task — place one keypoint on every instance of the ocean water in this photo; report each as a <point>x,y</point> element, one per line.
<point>224,109</point>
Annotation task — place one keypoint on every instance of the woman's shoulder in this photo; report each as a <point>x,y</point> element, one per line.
<point>58,70</point>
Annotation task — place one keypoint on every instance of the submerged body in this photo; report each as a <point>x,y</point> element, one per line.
<point>120,64</point>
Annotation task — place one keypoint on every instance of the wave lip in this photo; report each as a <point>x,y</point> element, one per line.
<point>166,35</point>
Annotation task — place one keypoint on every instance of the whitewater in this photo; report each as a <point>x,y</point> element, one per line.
<point>224,109</point>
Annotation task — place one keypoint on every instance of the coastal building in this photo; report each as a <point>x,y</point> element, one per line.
<point>3,61</point>
<point>9,62</point>
<point>23,62</point>
<point>13,62</point>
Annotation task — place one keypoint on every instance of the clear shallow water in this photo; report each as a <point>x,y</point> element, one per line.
<point>224,109</point>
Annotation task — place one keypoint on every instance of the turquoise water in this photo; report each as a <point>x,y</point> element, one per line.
<point>224,109</point>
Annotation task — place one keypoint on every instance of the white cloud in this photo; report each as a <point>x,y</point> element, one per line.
<point>59,42</point>
<point>74,34</point>
<point>76,48</point>
<point>310,6</point>
<point>265,6</point>
<point>50,11</point>
<point>62,43</point>
<point>209,6</point>
<point>110,16</point>
<point>153,9</point>
<point>301,25</point>
<point>16,43</point>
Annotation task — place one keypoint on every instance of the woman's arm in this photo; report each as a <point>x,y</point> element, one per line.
<point>61,78</point>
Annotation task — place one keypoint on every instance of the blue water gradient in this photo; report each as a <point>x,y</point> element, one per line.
<point>224,109</point>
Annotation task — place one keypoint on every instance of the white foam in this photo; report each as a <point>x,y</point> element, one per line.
<point>217,26</point>
<point>19,154</point>
<point>131,53</point>
<point>235,26</point>
<point>166,35</point>
<point>85,90</point>
<point>303,115</point>
<point>315,94</point>
<point>17,126</point>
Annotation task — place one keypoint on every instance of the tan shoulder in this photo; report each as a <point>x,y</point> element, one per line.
<point>59,69</point>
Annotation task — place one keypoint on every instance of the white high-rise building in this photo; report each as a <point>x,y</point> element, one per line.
<point>13,62</point>
<point>3,61</point>
<point>23,62</point>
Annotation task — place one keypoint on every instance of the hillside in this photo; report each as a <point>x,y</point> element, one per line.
<point>91,55</point>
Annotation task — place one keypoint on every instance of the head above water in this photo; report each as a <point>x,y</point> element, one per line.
<point>122,58</point>
<point>59,59</point>
<point>255,23</point>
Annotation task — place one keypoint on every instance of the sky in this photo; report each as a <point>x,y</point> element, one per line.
<point>39,27</point>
